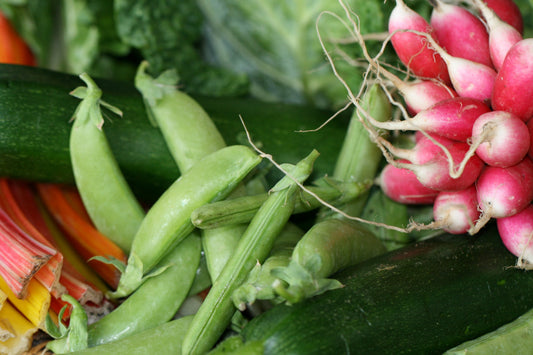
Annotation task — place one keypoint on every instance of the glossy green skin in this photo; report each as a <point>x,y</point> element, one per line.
<point>156,300</point>
<point>421,299</point>
<point>35,108</point>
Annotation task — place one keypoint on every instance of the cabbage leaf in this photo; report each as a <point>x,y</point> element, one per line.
<point>276,43</point>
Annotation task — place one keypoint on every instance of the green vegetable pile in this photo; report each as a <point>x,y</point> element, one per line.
<point>220,220</point>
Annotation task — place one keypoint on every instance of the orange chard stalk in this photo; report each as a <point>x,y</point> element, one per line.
<point>73,263</point>
<point>81,233</point>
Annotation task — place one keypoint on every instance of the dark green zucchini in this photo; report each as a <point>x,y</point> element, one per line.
<point>422,299</point>
<point>35,108</point>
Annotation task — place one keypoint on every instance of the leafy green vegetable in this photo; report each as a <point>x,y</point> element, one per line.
<point>167,34</point>
<point>276,43</point>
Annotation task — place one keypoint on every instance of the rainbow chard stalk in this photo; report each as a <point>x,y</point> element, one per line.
<point>21,256</point>
<point>16,207</point>
<point>58,276</point>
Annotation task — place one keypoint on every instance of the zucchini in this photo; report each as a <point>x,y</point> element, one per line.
<point>421,299</point>
<point>35,108</point>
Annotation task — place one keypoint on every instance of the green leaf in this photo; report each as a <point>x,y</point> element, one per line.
<point>118,264</point>
<point>73,338</point>
<point>132,279</point>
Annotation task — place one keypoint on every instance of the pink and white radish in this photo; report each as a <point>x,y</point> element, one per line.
<point>513,87</point>
<point>516,233</point>
<point>456,212</point>
<point>509,12</point>
<point>502,139</point>
<point>502,36</point>
<point>402,185</point>
<point>460,32</point>
<point>503,192</point>
<point>439,163</point>
<point>452,118</point>
<point>469,78</point>
<point>412,49</point>
<point>422,94</point>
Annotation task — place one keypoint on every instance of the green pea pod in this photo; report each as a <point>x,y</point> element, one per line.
<point>219,244</point>
<point>189,132</point>
<point>242,209</point>
<point>258,284</point>
<point>111,204</point>
<point>190,135</point>
<point>166,338</point>
<point>217,309</point>
<point>168,220</point>
<point>327,247</point>
<point>156,300</point>
<point>202,280</point>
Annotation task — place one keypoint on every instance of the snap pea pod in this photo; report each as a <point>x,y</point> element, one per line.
<point>329,246</point>
<point>168,220</point>
<point>190,135</point>
<point>258,284</point>
<point>242,209</point>
<point>163,339</point>
<point>156,301</point>
<point>219,244</point>
<point>202,280</point>
<point>111,204</point>
<point>187,129</point>
<point>217,309</point>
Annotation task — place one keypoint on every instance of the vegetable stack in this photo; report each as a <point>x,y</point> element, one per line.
<point>469,108</point>
<point>221,232</point>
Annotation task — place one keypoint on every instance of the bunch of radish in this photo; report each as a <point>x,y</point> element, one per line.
<point>470,105</point>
